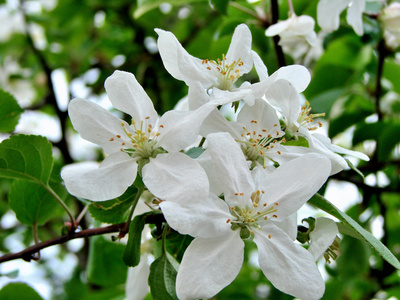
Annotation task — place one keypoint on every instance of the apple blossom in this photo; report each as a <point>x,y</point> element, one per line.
<point>130,148</point>
<point>390,18</point>
<point>258,205</point>
<point>328,14</point>
<point>322,238</point>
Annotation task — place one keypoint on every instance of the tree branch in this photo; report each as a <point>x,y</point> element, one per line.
<point>278,49</point>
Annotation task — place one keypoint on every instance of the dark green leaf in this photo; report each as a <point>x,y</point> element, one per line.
<point>26,157</point>
<point>18,290</point>
<point>132,249</point>
<point>10,112</point>
<point>195,152</point>
<point>162,278</point>
<point>31,202</point>
<point>388,139</point>
<point>146,5</point>
<point>105,264</point>
<point>220,5</point>
<point>322,203</point>
<point>367,131</point>
<point>113,211</point>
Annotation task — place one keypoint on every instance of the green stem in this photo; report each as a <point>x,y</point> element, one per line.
<point>164,238</point>
<point>61,202</point>
<point>36,238</point>
<point>243,9</point>
<point>135,202</point>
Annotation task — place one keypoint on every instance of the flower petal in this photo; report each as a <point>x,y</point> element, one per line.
<point>261,68</point>
<point>293,183</point>
<point>231,168</point>
<point>136,284</point>
<point>277,28</point>
<point>208,266</point>
<point>354,15</point>
<point>240,47</point>
<point>297,75</point>
<point>288,266</point>
<point>127,95</point>
<point>96,124</point>
<point>175,177</point>
<point>328,13</point>
<point>99,183</point>
<point>205,218</point>
<point>322,236</point>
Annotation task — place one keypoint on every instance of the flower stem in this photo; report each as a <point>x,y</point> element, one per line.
<point>135,202</point>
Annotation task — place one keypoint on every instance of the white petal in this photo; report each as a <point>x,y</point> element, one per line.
<point>136,287</point>
<point>261,68</point>
<point>175,177</point>
<point>297,75</point>
<point>240,47</point>
<point>208,266</point>
<point>96,124</point>
<point>231,168</point>
<point>289,225</point>
<point>208,165</point>
<point>127,95</point>
<point>282,94</point>
<point>205,218</point>
<point>178,62</point>
<point>181,128</point>
<point>354,15</point>
<point>216,122</point>
<point>328,13</point>
<point>107,181</point>
<point>277,28</point>
<point>293,183</point>
<point>322,236</point>
<point>197,95</point>
<point>288,266</point>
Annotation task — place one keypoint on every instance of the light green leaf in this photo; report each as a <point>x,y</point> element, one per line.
<point>143,6</point>
<point>26,157</point>
<point>105,264</point>
<point>322,203</point>
<point>195,152</point>
<point>132,250</point>
<point>162,278</point>
<point>10,112</point>
<point>18,290</point>
<point>113,211</point>
<point>31,202</point>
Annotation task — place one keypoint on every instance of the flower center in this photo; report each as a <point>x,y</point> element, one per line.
<point>224,75</point>
<point>252,216</point>
<point>306,119</point>
<point>142,140</point>
<point>256,145</point>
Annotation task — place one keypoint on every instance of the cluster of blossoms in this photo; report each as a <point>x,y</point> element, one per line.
<point>299,40</point>
<point>247,183</point>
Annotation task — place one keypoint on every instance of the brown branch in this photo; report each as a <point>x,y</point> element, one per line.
<point>278,49</point>
<point>28,254</point>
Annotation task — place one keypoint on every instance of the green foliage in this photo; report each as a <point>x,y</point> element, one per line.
<point>105,265</point>
<point>18,290</point>
<point>10,112</point>
<point>162,277</point>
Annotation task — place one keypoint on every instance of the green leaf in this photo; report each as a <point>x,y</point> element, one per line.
<point>31,202</point>
<point>113,211</point>
<point>391,71</point>
<point>367,131</point>
<point>18,290</point>
<point>220,5</point>
<point>388,139</point>
<point>162,278</point>
<point>132,250</point>
<point>322,203</point>
<point>195,152</point>
<point>105,264</point>
<point>26,157</point>
<point>143,6</point>
<point>10,112</point>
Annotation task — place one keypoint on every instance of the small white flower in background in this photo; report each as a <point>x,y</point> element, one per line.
<point>299,122</point>
<point>258,205</point>
<point>130,148</point>
<point>390,18</point>
<point>297,35</point>
<point>328,14</point>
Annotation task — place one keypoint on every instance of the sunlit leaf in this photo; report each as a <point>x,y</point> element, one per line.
<point>18,290</point>
<point>10,111</point>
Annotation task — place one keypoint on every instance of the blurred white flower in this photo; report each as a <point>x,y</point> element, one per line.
<point>390,19</point>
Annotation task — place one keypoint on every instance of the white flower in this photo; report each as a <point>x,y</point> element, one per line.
<point>328,14</point>
<point>257,205</point>
<point>297,35</point>
<point>130,148</point>
<point>390,18</point>
<point>299,122</point>
<point>220,77</point>
<point>322,237</point>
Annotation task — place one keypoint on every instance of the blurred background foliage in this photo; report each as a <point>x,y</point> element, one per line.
<point>52,51</point>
